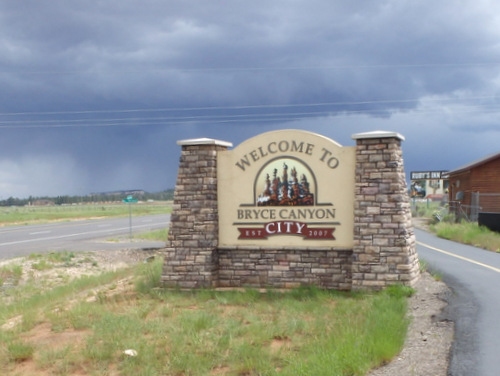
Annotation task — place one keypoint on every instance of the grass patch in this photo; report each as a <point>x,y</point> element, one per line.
<point>469,233</point>
<point>54,259</point>
<point>42,265</point>
<point>306,331</point>
<point>159,235</point>
<point>20,351</point>
<point>63,257</point>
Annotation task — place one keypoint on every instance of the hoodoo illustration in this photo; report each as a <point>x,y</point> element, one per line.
<point>285,191</point>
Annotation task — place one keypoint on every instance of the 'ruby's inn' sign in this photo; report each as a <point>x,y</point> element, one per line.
<point>286,188</point>
<point>290,208</point>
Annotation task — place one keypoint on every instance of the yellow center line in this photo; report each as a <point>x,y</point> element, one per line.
<point>459,257</point>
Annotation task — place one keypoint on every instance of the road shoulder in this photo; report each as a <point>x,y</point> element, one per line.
<point>430,335</point>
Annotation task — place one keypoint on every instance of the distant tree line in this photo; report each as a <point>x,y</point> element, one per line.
<point>166,195</point>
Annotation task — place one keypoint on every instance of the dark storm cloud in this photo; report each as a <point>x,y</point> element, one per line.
<point>73,74</point>
<point>175,50</point>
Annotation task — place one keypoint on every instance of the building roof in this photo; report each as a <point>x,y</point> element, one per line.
<point>475,163</point>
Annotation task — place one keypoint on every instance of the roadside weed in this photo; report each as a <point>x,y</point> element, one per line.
<point>10,274</point>
<point>20,351</point>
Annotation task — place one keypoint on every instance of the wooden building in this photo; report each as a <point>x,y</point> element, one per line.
<point>475,187</point>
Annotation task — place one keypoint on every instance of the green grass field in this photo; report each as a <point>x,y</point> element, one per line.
<point>84,326</point>
<point>43,214</point>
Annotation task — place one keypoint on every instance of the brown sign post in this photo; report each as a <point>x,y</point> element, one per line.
<point>290,208</point>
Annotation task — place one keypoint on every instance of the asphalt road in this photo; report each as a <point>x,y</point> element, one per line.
<point>473,276</point>
<point>85,235</point>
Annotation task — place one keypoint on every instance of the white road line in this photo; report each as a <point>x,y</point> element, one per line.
<point>80,233</point>
<point>460,257</point>
<point>40,232</point>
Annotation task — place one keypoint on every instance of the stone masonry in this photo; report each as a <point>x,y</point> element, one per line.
<point>384,241</point>
<point>285,268</point>
<point>384,249</point>
<point>191,258</point>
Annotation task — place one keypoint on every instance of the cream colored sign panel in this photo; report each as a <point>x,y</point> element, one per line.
<point>286,188</point>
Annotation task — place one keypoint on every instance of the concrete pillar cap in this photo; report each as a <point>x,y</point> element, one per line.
<point>378,134</point>
<point>204,141</point>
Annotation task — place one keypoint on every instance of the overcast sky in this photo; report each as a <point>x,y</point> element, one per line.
<point>95,94</point>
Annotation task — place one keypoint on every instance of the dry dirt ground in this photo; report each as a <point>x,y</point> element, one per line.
<point>61,271</point>
<point>426,350</point>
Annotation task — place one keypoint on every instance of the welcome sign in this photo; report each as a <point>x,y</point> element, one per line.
<point>291,208</point>
<point>284,189</point>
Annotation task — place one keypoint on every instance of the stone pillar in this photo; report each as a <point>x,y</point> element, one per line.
<point>384,249</point>
<point>191,255</point>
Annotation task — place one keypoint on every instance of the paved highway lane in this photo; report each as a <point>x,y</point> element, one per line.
<point>473,275</point>
<point>85,235</point>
